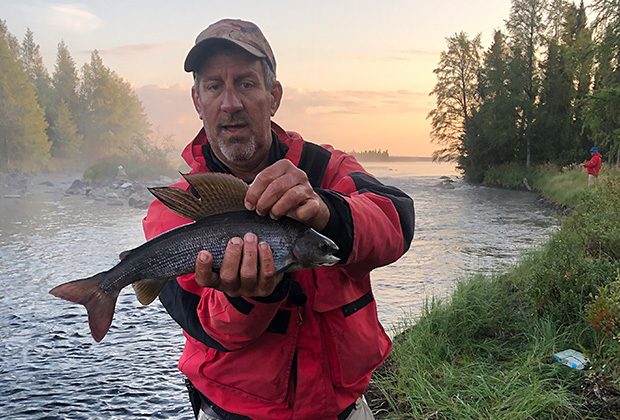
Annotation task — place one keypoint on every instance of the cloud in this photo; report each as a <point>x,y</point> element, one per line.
<point>140,48</point>
<point>354,102</point>
<point>70,17</point>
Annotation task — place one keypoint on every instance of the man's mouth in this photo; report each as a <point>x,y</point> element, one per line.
<point>234,128</point>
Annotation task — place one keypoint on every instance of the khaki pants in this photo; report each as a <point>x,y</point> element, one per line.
<point>361,412</point>
<point>592,179</point>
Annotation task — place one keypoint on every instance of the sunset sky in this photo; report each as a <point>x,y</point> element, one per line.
<point>356,74</point>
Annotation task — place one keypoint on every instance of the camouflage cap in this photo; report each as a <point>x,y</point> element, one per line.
<point>244,34</point>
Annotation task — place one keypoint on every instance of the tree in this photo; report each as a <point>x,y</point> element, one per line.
<point>456,94</point>
<point>67,140</point>
<point>65,81</point>
<point>23,142</point>
<point>112,115</point>
<point>555,118</point>
<point>491,133</point>
<point>526,30</point>
<point>601,116</point>
<point>607,29</point>
<point>38,75</point>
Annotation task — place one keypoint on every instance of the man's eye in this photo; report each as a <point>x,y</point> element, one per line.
<point>246,85</point>
<point>212,87</point>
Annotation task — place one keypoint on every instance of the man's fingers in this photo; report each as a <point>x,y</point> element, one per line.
<point>229,272</point>
<point>204,274</point>
<point>270,184</point>
<point>248,270</point>
<point>267,280</point>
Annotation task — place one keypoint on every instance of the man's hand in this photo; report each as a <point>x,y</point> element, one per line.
<point>282,189</point>
<point>240,274</point>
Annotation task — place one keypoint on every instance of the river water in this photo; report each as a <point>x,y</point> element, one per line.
<point>50,368</point>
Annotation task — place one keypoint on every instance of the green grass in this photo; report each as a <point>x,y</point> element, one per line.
<point>487,351</point>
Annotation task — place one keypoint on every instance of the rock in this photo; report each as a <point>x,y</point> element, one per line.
<point>47,183</point>
<point>138,203</point>
<point>78,187</point>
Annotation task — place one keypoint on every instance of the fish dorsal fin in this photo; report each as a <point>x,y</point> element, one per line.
<point>179,201</point>
<point>147,290</point>
<point>217,193</point>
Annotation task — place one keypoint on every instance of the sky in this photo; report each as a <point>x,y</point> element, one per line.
<point>356,74</point>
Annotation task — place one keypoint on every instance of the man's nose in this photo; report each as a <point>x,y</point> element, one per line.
<point>231,102</point>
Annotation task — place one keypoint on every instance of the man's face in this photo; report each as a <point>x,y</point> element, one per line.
<point>236,108</point>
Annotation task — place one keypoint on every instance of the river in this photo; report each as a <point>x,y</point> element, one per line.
<point>50,368</point>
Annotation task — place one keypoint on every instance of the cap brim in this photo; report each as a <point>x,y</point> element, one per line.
<point>199,52</point>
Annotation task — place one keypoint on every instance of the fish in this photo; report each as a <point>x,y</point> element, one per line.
<point>218,213</point>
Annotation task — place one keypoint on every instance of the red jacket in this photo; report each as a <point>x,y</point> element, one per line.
<point>594,165</point>
<point>308,350</point>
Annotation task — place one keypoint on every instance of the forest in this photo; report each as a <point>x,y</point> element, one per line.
<point>545,91</point>
<point>69,118</point>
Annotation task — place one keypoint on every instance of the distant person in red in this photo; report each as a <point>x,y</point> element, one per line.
<point>594,166</point>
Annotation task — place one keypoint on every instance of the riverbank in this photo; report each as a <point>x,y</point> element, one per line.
<point>488,350</point>
<point>112,192</point>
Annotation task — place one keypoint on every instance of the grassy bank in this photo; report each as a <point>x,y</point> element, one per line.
<point>487,351</point>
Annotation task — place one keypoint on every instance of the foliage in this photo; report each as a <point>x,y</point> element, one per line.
<point>73,120</point>
<point>22,123</point>
<point>148,159</point>
<point>601,117</point>
<point>604,310</point>
<point>38,75</point>
<point>511,175</point>
<point>371,155</point>
<point>597,220</point>
<point>112,116</point>
<point>546,90</point>
<point>455,93</point>
<point>66,141</point>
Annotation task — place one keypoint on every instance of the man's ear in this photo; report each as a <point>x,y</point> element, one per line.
<point>196,101</point>
<point>276,97</point>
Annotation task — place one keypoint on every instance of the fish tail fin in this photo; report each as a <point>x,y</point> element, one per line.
<point>99,304</point>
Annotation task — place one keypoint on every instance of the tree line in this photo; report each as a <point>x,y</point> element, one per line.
<point>69,115</point>
<point>545,91</point>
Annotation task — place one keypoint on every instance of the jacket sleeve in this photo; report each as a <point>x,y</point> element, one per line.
<point>372,223</point>
<point>208,315</point>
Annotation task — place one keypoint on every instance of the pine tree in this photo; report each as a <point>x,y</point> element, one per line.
<point>23,142</point>
<point>65,81</point>
<point>67,140</point>
<point>526,30</point>
<point>112,113</point>
<point>38,75</point>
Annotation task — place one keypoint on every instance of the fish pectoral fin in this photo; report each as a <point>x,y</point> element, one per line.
<point>286,266</point>
<point>148,289</point>
<point>124,254</point>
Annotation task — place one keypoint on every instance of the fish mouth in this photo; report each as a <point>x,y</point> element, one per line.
<point>310,261</point>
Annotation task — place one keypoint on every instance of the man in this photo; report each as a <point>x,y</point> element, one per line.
<point>265,346</point>
<point>594,166</point>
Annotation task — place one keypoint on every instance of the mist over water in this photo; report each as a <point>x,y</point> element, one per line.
<point>51,368</point>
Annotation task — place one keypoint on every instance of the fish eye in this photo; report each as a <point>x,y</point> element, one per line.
<point>324,246</point>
